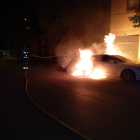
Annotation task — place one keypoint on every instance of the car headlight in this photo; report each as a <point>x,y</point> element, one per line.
<point>139,68</point>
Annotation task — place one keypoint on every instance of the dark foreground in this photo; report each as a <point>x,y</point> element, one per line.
<point>20,119</point>
<point>99,109</point>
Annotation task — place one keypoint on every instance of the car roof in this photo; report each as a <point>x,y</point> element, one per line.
<point>100,54</point>
<point>107,54</point>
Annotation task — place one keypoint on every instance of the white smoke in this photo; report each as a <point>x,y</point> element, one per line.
<point>98,48</point>
<point>68,53</point>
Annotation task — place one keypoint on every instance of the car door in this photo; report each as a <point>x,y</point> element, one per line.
<point>109,66</point>
<point>97,61</point>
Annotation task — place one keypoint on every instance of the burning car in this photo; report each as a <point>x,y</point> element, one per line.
<point>105,65</point>
<point>117,66</point>
<point>110,64</point>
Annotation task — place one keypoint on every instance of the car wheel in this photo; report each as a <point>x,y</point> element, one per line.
<point>128,75</point>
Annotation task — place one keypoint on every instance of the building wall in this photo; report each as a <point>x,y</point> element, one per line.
<point>128,45</point>
<point>123,28</point>
<point>40,47</point>
<point>34,48</point>
<point>118,7</point>
<point>120,24</point>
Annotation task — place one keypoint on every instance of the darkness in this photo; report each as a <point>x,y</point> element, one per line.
<point>12,16</point>
<point>87,21</point>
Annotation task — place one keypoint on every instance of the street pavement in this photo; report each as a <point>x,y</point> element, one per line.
<point>98,109</point>
<point>20,119</point>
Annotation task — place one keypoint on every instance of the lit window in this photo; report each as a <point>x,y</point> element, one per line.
<point>130,5</point>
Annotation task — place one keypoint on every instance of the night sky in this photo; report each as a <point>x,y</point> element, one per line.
<point>87,20</point>
<point>84,17</point>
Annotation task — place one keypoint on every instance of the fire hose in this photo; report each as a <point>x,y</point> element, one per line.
<point>47,112</point>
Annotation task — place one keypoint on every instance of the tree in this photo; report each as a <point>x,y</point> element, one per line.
<point>136,18</point>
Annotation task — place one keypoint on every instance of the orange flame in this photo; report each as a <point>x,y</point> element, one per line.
<point>85,64</point>
<point>84,67</point>
<point>97,74</point>
<point>109,39</point>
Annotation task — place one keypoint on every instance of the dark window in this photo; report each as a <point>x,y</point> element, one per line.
<point>121,58</point>
<point>107,58</point>
<point>97,58</point>
<point>103,58</point>
<point>131,5</point>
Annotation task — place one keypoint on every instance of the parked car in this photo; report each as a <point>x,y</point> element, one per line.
<point>117,66</point>
<point>112,65</point>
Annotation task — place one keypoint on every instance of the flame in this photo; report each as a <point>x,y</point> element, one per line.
<point>97,74</point>
<point>85,64</point>
<point>84,67</point>
<point>109,39</point>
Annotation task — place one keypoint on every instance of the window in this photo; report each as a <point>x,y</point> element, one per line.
<point>97,58</point>
<point>131,5</point>
<point>121,58</point>
<point>102,58</point>
<point>107,58</point>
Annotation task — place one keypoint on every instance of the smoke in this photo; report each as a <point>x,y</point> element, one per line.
<point>98,48</point>
<point>68,52</point>
<point>86,19</point>
<point>85,24</point>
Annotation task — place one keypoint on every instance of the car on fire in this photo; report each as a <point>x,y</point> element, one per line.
<point>117,66</point>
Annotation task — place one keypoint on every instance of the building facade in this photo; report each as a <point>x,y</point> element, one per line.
<point>40,47</point>
<point>127,37</point>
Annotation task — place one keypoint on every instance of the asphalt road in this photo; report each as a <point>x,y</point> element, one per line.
<point>20,119</point>
<point>99,109</point>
